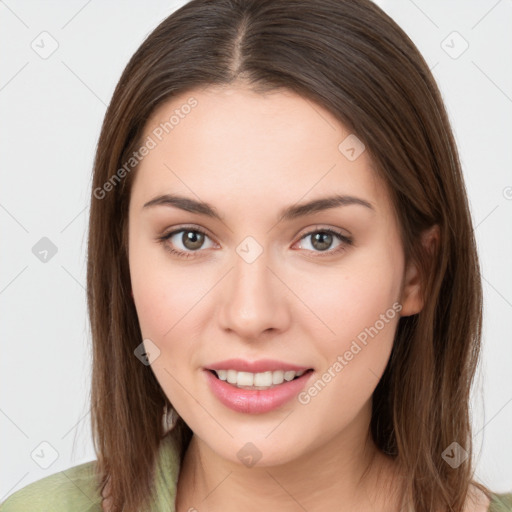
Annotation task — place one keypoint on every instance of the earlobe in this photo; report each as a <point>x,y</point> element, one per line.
<point>412,296</point>
<point>411,292</point>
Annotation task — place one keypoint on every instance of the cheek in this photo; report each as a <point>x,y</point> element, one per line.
<point>352,297</point>
<point>366,321</point>
<point>354,359</point>
<point>163,291</point>
<point>166,300</point>
<point>163,297</point>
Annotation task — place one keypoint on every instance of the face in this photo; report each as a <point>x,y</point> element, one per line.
<point>318,290</point>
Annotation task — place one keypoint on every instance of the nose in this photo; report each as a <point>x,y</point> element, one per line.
<point>253,300</point>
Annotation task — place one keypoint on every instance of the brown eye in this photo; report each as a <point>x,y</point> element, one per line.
<point>184,242</point>
<point>322,240</point>
<point>192,240</point>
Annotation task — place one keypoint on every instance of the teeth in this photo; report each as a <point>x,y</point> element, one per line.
<point>277,377</point>
<point>264,380</point>
<point>222,374</point>
<point>245,379</point>
<point>289,375</point>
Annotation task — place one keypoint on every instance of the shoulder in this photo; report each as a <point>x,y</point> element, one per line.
<point>69,490</point>
<point>77,488</point>
<point>501,503</point>
<point>478,501</point>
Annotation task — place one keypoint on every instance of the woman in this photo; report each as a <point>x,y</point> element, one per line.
<point>283,282</point>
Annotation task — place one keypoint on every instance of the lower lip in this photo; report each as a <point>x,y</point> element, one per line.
<point>255,401</point>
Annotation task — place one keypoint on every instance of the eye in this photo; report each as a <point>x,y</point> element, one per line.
<point>192,239</point>
<point>188,240</point>
<point>322,240</point>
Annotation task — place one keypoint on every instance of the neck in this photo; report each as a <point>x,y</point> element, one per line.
<point>345,473</point>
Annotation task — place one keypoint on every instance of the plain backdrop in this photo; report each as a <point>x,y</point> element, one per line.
<point>51,109</point>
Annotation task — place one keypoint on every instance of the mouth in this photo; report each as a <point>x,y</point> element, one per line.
<point>263,391</point>
<point>260,381</point>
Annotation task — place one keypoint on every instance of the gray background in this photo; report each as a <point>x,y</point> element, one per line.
<point>52,106</point>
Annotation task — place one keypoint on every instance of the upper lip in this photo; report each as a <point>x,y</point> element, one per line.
<point>260,366</point>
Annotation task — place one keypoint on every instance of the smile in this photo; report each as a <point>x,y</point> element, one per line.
<point>256,399</point>
<point>259,381</point>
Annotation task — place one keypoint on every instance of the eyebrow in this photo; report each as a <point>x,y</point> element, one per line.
<point>289,213</point>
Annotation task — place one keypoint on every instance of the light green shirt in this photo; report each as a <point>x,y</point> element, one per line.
<point>74,489</point>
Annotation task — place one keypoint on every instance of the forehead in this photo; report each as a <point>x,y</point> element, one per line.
<point>232,144</point>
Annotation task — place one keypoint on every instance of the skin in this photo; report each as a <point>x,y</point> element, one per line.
<point>250,155</point>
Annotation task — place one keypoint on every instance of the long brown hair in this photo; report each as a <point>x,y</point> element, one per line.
<point>352,59</point>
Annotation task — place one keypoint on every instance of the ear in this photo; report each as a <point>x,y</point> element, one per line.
<point>411,299</point>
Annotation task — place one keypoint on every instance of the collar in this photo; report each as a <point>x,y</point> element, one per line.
<point>167,471</point>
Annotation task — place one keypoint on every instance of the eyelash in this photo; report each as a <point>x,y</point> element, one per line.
<point>190,254</point>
